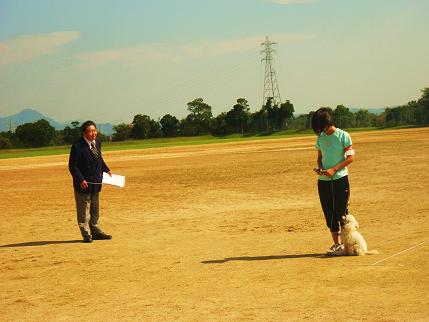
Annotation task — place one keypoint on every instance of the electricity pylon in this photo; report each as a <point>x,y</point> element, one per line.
<point>271,88</point>
<point>10,123</point>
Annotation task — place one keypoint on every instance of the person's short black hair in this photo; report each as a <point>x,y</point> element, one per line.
<point>321,120</point>
<point>85,125</point>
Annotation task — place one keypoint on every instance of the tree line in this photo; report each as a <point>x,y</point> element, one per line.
<point>239,119</point>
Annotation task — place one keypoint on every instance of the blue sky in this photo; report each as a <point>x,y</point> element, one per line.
<point>109,60</point>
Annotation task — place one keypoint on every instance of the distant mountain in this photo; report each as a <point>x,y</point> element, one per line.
<point>105,128</point>
<point>27,115</point>
<point>30,115</point>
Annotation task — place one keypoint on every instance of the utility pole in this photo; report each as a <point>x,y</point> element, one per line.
<point>10,125</point>
<point>271,88</point>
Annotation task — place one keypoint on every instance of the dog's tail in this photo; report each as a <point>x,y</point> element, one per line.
<point>372,252</point>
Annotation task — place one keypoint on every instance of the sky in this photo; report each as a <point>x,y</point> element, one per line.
<point>108,60</point>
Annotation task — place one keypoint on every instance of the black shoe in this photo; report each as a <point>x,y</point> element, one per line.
<point>87,239</point>
<point>101,236</point>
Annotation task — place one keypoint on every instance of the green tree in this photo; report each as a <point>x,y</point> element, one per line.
<point>154,129</point>
<point>299,123</point>
<point>170,126</point>
<point>422,108</point>
<point>5,142</point>
<point>71,134</point>
<point>270,111</point>
<point>237,118</point>
<point>343,117</point>
<point>259,120</point>
<point>200,117</point>
<point>309,118</point>
<point>302,122</point>
<point>243,102</point>
<point>381,120</point>
<point>401,115</point>
<point>276,117</point>
<point>141,127</point>
<point>37,134</point>
<point>219,125</point>
<point>362,118</point>
<point>187,126</point>
<point>122,132</point>
<point>285,113</point>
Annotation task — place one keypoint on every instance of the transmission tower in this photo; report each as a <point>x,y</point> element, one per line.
<point>271,88</point>
<point>10,123</point>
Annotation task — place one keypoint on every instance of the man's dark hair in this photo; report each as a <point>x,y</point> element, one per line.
<point>85,125</point>
<point>321,120</point>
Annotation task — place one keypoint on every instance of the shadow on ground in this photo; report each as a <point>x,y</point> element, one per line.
<point>263,258</point>
<point>42,243</point>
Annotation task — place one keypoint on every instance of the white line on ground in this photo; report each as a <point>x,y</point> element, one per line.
<point>403,251</point>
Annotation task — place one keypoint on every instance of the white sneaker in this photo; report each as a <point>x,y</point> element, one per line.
<point>336,250</point>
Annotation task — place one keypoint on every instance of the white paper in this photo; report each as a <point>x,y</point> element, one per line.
<point>115,180</point>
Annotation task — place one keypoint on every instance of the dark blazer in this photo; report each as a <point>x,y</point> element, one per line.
<point>83,166</point>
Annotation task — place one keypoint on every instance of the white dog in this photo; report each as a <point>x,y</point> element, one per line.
<point>353,242</point>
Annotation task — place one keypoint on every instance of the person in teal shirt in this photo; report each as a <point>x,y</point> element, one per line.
<point>334,153</point>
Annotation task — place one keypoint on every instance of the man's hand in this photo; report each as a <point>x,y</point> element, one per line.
<point>109,173</point>
<point>84,185</point>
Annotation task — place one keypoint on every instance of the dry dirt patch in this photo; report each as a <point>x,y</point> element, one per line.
<point>218,232</point>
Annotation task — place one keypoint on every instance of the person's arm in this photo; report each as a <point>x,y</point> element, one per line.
<point>319,163</point>
<point>349,159</point>
<point>74,169</point>
<point>104,166</point>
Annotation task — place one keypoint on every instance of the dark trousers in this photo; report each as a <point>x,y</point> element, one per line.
<point>334,198</point>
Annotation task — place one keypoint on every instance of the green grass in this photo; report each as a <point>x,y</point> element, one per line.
<point>166,142</point>
<point>152,143</point>
<point>35,152</point>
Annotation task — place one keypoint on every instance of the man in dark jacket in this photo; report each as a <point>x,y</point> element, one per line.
<point>86,165</point>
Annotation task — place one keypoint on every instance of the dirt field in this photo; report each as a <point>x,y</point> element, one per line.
<point>227,232</point>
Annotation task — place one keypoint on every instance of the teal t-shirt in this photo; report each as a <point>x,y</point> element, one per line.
<point>332,148</point>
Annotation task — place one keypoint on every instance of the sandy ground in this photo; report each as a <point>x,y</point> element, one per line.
<point>225,232</point>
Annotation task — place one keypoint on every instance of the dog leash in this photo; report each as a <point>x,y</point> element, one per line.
<point>333,202</point>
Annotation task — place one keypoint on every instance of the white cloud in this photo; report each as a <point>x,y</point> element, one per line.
<point>129,56</point>
<point>27,47</point>
<point>143,54</point>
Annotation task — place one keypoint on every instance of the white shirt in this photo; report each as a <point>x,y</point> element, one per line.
<point>89,142</point>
